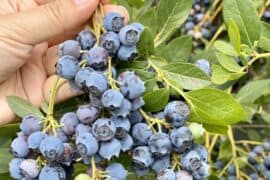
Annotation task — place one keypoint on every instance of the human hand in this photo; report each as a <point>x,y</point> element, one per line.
<point>30,32</point>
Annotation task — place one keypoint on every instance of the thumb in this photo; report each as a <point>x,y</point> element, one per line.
<point>46,21</point>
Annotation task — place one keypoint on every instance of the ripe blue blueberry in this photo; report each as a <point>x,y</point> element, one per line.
<point>19,146</point>
<point>176,113</point>
<point>113,22</point>
<point>141,134</point>
<point>129,35</point>
<point>82,128</point>
<point>181,139</point>
<point>87,144</point>
<point>232,178</point>
<point>71,48</point>
<point>191,161</point>
<point>127,53</point>
<point>67,67</point>
<point>161,163</point>
<point>218,165</point>
<point>68,154</point>
<point>204,65</point>
<point>231,170</point>
<point>51,148</point>
<point>122,127</point>
<point>14,168</point>
<point>87,114</point>
<point>138,26</point>
<point>259,150</point>
<point>69,121</point>
<point>82,76</point>
<point>61,135</point>
<point>87,39</point>
<point>267,161</point>
<point>139,171</point>
<point>135,117</point>
<point>103,129</point>
<point>166,174</point>
<point>112,99</point>
<point>35,139</point>
<point>189,25</point>
<point>142,157</point>
<point>124,109</point>
<point>202,172</point>
<point>202,151</point>
<point>97,58</point>
<point>160,144</point>
<point>29,168</point>
<point>117,171</point>
<point>110,42</point>
<point>137,103</point>
<point>52,172</point>
<point>183,175</point>
<point>266,146</point>
<point>131,85</point>
<point>126,143</point>
<point>30,124</point>
<point>252,158</point>
<point>254,176</point>
<point>108,149</point>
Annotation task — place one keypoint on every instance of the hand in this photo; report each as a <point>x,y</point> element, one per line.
<point>30,32</point>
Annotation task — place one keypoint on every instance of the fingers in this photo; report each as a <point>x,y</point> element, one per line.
<point>65,91</point>
<point>105,1</point>
<point>47,21</point>
<point>50,60</point>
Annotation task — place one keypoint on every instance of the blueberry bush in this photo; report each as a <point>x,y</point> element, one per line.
<point>181,92</point>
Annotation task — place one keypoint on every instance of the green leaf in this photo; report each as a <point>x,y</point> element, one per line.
<point>150,85</point>
<point>5,157</point>
<point>264,42</point>
<point>234,35</point>
<point>245,15</point>
<point>225,151</point>
<point>178,50</point>
<point>156,100</point>
<point>136,3</point>
<point>146,44</point>
<point>228,62</point>
<point>170,15</point>
<point>9,130</point>
<point>185,75</point>
<point>225,48</point>
<point>216,129</point>
<point>253,90</point>
<point>216,107</point>
<point>22,107</point>
<point>148,19</point>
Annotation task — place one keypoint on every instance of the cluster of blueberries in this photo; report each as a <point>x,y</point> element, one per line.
<point>259,164</point>
<point>112,122</point>
<point>196,15</point>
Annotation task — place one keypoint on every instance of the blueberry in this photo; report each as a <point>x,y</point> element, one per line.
<point>218,165</point>
<point>259,150</point>
<point>252,158</point>
<point>52,172</point>
<point>142,157</point>
<point>35,139</point>
<point>110,42</point>
<point>86,39</point>
<point>104,129</point>
<point>61,135</point>
<point>131,85</point>
<point>191,161</point>
<point>70,48</point>
<point>112,99</point>
<point>202,172</point>
<point>122,127</point>
<point>113,22</point>
<point>141,133</point>
<point>87,144</point>
<point>181,139</point>
<point>267,174</point>
<point>97,58</point>
<point>69,121</point>
<point>137,103</point>
<point>202,151</point>
<point>68,154</point>
<point>117,171</point>
<point>189,25</point>
<point>87,114</point>
<point>14,168</point>
<point>67,67</point>
<point>260,168</point>
<point>232,178</point>
<point>109,149</point>
<point>183,175</point>
<point>206,33</point>
<point>19,147</point>
<point>135,117</point>
<point>267,161</point>
<point>138,26</point>
<point>266,16</point>
<point>266,146</point>
<point>140,171</point>
<point>161,163</point>
<point>126,143</point>
<point>29,168</point>
<point>124,109</point>
<point>160,144</point>
<point>204,65</point>
<point>231,170</point>
<point>254,176</point>
<point>82,128</point>
<point>127,53</point>
<point>30,124</point>
<point>166,174</point>
<point>129,35</point>
<point>51,148</point>
<point>177,113</point>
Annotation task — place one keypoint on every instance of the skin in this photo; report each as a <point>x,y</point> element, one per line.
<point>30,33</point>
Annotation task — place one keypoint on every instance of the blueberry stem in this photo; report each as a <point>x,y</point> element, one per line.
<point>248,142</point>
<point>216,35</point>
<point>176,161</point>
<point>109,75</point>
<point>225,168</point>
<point>210,149</point>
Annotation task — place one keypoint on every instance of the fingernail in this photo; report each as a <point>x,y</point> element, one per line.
<point>81,2</point>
